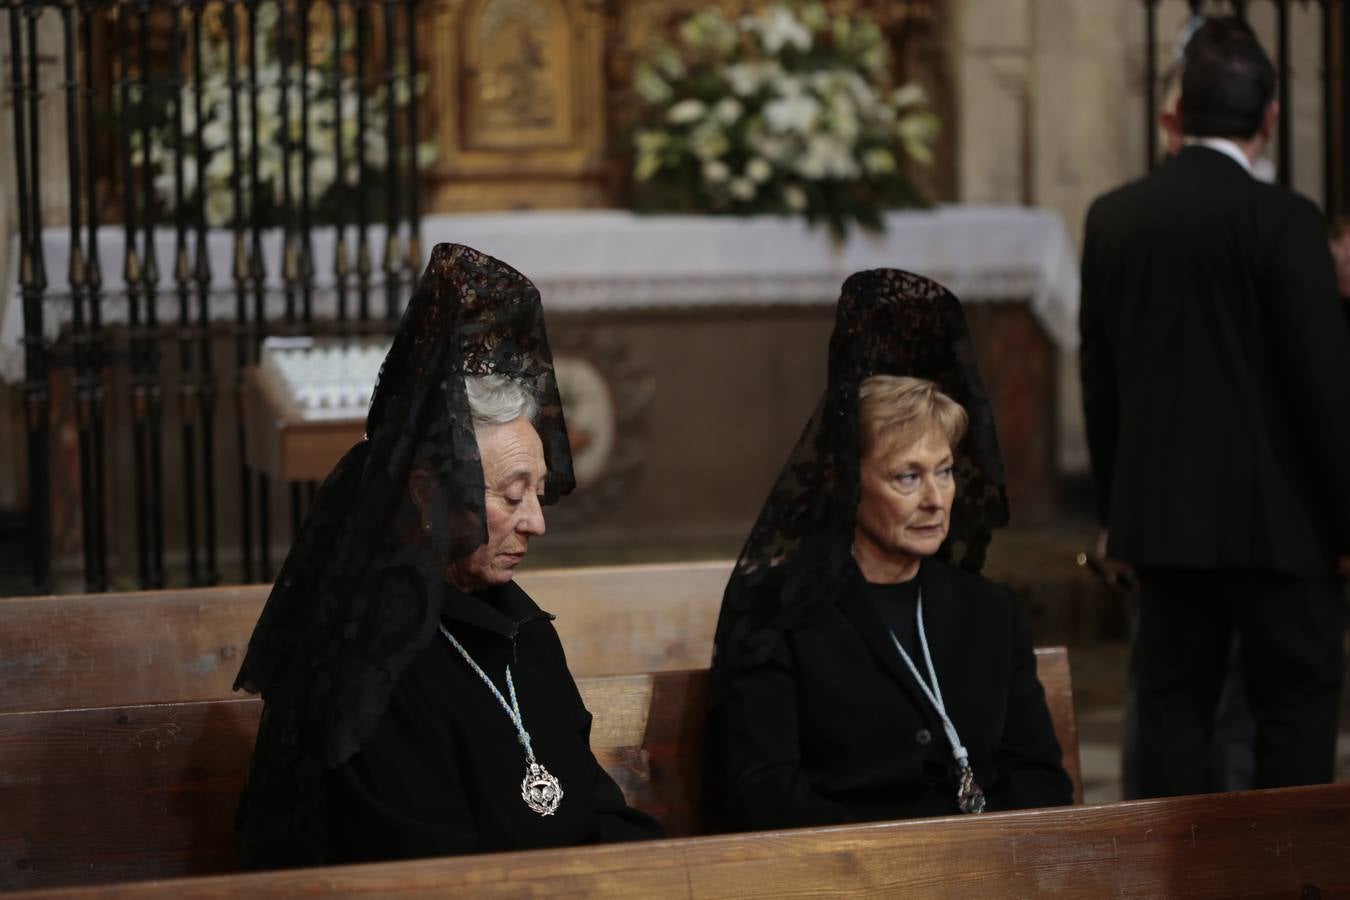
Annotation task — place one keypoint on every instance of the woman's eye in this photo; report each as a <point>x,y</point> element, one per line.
<point>907,479</point>
<point>945,472</point>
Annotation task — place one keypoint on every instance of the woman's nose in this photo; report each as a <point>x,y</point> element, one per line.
<point>932,492</point>
<point>532,522</point>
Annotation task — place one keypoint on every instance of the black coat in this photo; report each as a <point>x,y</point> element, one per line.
<point>1215,362</point>
<point>442,774</point>
<point>834,729</point>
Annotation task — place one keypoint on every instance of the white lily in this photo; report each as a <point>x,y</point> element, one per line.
<point>728,110</point>
<point>686,111</point>
<point>219,208</point>
<point>911,94</point>
<point>650,86</point>
<point>709,141</point>
<point>742,188</point>
<point>794,114</point>
<point>879,161</point>
<point>777,29</point>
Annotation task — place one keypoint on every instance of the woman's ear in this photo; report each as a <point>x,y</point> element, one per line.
<point>421,487</point>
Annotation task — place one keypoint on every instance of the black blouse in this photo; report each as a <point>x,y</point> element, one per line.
<point>832,728</point>
<point>898,605</point>
<point>442,774</point>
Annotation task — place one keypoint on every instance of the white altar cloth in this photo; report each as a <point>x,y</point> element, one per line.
<point>589,260</point>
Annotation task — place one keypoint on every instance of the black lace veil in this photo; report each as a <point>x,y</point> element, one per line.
<point>888,322</point>
<point>363,586</point>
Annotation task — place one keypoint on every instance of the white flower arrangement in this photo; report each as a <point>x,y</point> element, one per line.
<point>328,196</point>
<point>789,110</point>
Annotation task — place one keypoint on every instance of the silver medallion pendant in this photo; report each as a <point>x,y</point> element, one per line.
<point>540,790</point>
<point>969,797</point>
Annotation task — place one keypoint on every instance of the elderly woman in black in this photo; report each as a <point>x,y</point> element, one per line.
<point>417,701</point>
<point>863,670</point>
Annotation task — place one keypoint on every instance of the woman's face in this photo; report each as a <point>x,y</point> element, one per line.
<point>513,476</point>
<point>904,504</point>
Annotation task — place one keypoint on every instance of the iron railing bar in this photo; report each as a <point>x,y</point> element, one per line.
<point>182,273</point>
<point>201,274</point>
<point>341,269</point>
<point>363,267</point>
<point>78,290</point>
<point>36,390</point>
<point>258,276</point>
<point>392,263</point>
<point>241,272</point>
<point>131,277</point>
<point>414,192</point>
<point>93,282</point>
<point>150,334</point>
<point>290,253</point>
<point>306,172</point>
<point>306,186</point>
<point>290,261</point>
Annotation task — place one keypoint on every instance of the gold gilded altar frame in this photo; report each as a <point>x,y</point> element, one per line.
<point>517,94</point>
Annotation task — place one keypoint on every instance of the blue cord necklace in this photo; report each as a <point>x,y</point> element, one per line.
<point>539,789</point>
<point>969,796</point>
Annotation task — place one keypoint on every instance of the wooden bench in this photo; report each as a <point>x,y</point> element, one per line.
<point>107,794</point>
<point>1290,842</point>
<point>82,650</point>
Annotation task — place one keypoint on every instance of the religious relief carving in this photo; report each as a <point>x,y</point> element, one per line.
<point>517,104</point>
<point>517,74</point>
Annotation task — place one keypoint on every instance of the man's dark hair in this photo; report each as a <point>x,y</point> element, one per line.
<point>1227,83</point>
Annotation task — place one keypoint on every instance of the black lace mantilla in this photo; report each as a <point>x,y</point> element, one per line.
<point>363,586</point>
<point>888,322</point>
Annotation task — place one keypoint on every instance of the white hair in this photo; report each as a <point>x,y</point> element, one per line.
<point>497,399</point>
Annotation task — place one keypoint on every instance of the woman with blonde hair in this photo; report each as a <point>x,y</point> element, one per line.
<point>864,670</point>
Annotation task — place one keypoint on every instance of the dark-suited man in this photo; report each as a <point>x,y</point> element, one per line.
<point>1214,364</point>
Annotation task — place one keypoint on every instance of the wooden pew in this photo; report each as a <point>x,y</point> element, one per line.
<point>107,794</point>
<point>96,795</point>
<point>125,649</point>
<point>1288,842</point>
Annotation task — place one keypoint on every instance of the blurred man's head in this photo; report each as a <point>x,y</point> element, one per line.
<point>1227,84</point>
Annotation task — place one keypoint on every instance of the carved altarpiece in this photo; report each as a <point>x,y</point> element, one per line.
<point>516,93</point>
<point>530,100</point>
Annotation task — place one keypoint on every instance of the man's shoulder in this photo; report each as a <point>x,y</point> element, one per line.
<point>1278,199</point>
<point>1105,203</point>
<point>1120,204</point>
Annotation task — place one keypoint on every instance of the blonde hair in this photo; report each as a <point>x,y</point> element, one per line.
<point>908,405</point>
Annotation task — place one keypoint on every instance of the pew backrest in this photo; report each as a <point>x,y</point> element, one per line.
<point>128,649</point>
<point>1289,842</point>
<point>1052,669</point>
<point>149,791</point>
